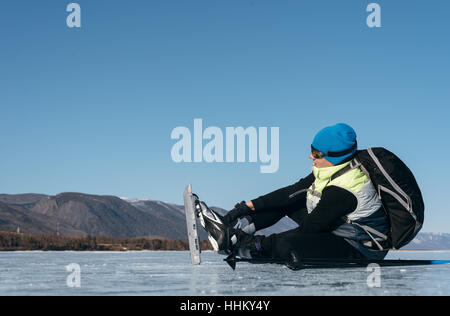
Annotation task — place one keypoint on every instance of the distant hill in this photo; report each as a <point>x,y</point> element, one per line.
<point>165,212</point>
<point>430,241</point>
<point>79,214</point>
<point>23,200</point>
<point>75,214</point>
<point>13,216</point>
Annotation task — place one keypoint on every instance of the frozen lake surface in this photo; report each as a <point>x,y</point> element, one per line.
<point>170,273</point>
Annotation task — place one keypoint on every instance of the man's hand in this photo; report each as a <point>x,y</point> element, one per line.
<point>240,210</point>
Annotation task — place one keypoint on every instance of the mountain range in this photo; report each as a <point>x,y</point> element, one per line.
<point>79,214</point>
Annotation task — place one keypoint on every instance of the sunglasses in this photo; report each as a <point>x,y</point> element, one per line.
<point>317,154</point>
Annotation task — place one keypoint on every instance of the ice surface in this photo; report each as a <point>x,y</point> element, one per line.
<point>171,273</point>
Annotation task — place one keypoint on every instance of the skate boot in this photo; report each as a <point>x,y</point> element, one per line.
<point>219,234</point>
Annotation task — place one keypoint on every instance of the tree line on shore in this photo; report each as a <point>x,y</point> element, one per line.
<point>10,241</point>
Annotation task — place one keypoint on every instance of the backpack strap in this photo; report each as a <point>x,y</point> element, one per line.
<point>369,231</point>
<point>353,165</point>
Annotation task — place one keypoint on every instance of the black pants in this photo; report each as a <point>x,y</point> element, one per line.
<point>307,245</point>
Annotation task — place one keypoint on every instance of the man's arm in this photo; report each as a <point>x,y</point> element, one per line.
<point>282,197</point>
<point>334,204</point>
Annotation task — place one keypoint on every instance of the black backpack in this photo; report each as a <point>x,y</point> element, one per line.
<point>398,190</point>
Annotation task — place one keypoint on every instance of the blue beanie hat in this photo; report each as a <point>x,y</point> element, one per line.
<point>335,139</point>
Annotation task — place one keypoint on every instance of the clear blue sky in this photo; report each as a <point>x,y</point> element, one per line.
<point>92,109</point>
